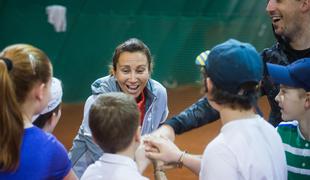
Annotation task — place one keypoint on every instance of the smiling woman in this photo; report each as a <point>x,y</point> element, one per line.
<point>130,73</point>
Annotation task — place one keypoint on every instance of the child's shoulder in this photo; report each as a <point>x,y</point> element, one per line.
<point>37,137</point>
<point>288,124</point>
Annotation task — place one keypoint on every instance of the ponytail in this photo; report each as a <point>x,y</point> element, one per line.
<point>21,67</point>
<point>11,122</point>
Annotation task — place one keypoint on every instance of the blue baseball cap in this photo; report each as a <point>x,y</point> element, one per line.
<point>232,64</point>
<point>295,75</point>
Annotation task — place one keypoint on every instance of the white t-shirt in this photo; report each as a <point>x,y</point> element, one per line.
<point>245,149</point>
<point>113,166</point>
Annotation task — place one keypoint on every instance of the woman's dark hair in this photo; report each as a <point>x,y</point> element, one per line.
<point>132,45</point>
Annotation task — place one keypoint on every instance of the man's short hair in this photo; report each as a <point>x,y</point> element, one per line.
<point>113,120</point>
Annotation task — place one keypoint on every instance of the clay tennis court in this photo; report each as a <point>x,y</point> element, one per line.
<point>178,99</point>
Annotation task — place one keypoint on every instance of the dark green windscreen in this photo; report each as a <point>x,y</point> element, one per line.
<point>175,30</point>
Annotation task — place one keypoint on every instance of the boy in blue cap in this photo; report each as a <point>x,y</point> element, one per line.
<point>247,147</point>
<point>294,101</point>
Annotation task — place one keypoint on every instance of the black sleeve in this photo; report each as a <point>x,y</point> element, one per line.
<point>195,116</point>
<point>273,55</point>
<point>265,74</point>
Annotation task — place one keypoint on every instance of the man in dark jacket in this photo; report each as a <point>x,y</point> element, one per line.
<point>291,22</point>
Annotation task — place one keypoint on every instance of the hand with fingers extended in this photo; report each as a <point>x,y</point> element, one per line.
<point>143,160</point>
<point>161,148</point>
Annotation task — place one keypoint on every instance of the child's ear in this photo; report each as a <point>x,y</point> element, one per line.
<point>39,91</point>
<point>305,5</point>
<point>113,72</point>
<point>55,119</point>
<point>52,122</point>
<point>209,85</point>
<point>307,102</point>
<point>137,136</point>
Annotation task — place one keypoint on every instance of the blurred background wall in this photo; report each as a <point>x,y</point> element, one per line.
<point>176,31</point>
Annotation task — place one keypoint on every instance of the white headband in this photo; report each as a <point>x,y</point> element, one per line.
<point>55,98</point>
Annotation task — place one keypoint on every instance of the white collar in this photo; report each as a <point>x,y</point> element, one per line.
<point>118,159</point>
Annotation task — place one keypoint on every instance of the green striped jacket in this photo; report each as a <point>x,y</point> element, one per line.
<point>297,150</point>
